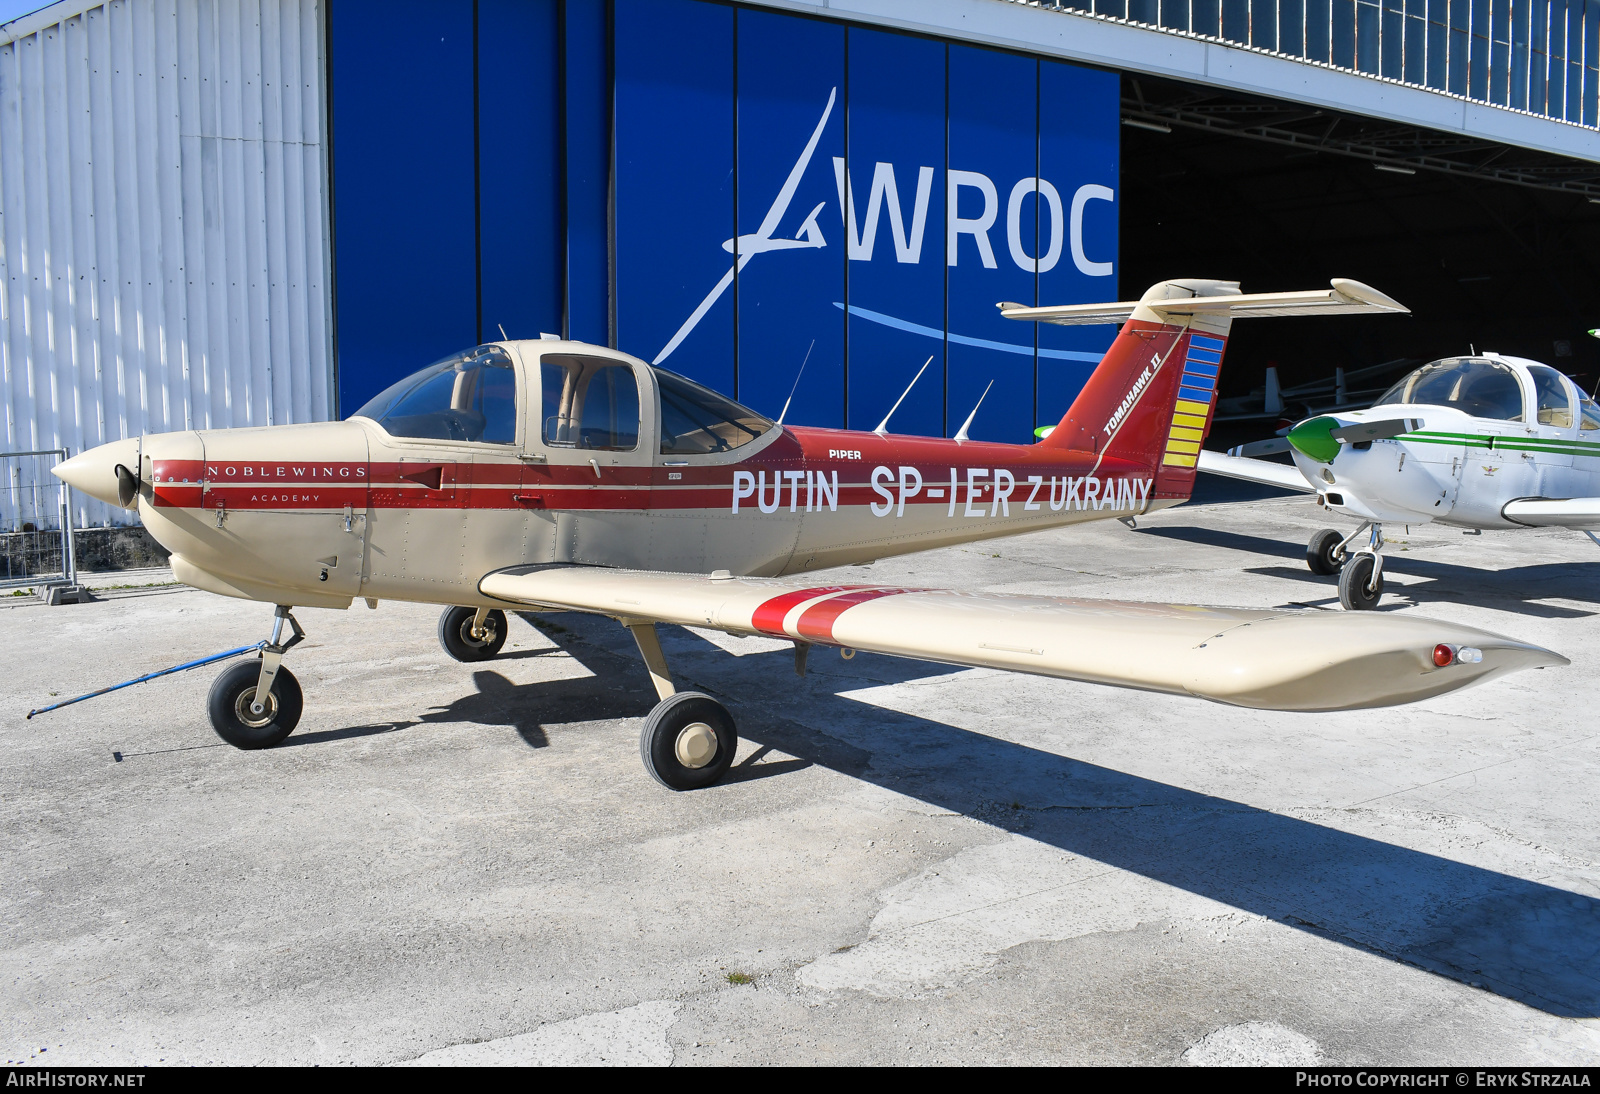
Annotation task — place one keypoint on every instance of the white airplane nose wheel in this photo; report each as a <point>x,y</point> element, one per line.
<point>688,741</point>
<point>1360,583</point>
<point>232,696</point>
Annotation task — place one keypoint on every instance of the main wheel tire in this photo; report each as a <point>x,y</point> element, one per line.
<point>455,634</point>
<point>688,741</point>
<point>1320,554</point>
<point>1354,581</point>
<point>233,693</point>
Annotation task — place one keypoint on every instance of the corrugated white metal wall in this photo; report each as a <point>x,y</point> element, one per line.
<point>164,243</point>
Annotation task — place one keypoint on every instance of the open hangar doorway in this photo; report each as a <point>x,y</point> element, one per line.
<point>1489,245</point>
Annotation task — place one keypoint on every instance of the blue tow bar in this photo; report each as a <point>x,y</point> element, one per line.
<point>151,676</point>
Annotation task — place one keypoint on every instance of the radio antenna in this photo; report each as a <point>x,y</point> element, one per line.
<point>883,426</point>
<point>503,335</point>
<point>797,376</point>
<point>966,425</point>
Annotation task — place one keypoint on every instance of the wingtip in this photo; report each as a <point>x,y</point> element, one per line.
<point>1365,293</point>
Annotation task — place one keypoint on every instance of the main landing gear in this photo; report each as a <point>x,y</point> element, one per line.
<point>256,704</point>
<point>1360,572</point>
<point>688,740</point>
<point>472,634</point>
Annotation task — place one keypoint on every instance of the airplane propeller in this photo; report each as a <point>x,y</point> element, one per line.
<point>1269,447</point>
<point>1320,438</point>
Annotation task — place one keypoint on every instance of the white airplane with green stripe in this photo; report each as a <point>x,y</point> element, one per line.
<point>1483,441</point>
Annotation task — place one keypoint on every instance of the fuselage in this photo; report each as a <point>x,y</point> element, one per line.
<point>322,513</point>
<point>1458,468</point>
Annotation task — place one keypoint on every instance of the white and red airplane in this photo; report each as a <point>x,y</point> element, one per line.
<point>552,475</point>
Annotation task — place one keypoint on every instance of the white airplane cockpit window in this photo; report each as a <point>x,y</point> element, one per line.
<point>1554,405</point>
<point>696,421</point>
<point>468,396</point>
<point>589,402</point>
<point>1472,385</point>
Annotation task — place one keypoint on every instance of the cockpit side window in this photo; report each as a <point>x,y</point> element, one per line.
<point>1554,405</point>
<point>1588,414</point>
<point>468,396</point>
<point>696,420</point>
<point>589,402</point>
<point>1484,389</point>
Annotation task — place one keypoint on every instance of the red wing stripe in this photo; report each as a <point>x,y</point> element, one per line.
<point>769,616</point>
<point>816,622</point>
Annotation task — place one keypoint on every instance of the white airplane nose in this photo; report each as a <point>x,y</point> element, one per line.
<point>109,473</point>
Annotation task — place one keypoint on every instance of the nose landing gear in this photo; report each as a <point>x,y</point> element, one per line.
<point>1360,572</point>
<point>256,704</point>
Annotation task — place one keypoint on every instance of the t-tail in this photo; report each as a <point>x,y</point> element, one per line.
<point>1151,399</point>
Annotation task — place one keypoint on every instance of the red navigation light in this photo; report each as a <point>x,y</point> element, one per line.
<point>1443,655</point>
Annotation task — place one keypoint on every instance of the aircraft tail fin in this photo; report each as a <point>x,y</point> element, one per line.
<point>1152,397</point>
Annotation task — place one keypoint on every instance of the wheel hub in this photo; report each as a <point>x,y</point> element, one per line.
<point>242,705</point>
<point>696,745</point>
<point>488,633</point>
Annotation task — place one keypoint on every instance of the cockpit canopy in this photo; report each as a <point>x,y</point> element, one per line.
<point>586,401</point>
<point>1491,387</point>
<point>1473,385</point>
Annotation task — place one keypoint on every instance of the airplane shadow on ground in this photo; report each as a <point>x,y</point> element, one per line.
<point>1522,939</point>
<point>1521,589</point>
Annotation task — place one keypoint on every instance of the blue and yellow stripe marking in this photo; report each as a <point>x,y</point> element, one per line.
<point>1196,392</point>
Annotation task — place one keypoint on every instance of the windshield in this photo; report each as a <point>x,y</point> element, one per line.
<point>468,396</point>
<point>1472,385</point>
<point>696,420</point>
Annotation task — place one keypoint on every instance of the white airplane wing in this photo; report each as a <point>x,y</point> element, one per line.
<point>1302,660</point>
<point>1242,467</point>
<point>1580,513</point>
<point>1345,297</point>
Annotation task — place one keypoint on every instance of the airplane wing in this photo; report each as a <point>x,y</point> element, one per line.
<point>1344,298</point>
<point>1303,660</point>
<point>1580,513</point>
<point>1242,467</point>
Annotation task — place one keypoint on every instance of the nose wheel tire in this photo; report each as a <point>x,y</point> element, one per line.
<point>1357,589</point>
<point>688,741</point>
<point>233,694</point>
<point>1320,556</point>
<point>455,634</point>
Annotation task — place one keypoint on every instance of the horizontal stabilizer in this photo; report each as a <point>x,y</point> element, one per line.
<point>1580,513</point>
<point>1274,659</point>
<point>1267,474</point>
<point>1344,298</point>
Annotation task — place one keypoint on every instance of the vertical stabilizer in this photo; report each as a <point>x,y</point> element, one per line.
<point>1151,399</point>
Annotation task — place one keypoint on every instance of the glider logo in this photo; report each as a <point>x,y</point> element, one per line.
<point>1066,230</point>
